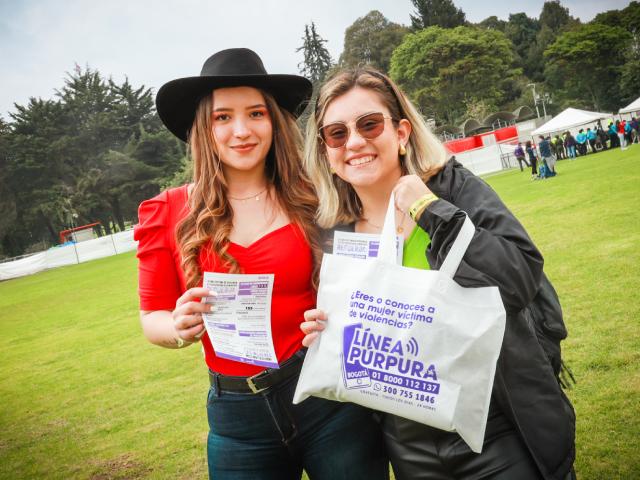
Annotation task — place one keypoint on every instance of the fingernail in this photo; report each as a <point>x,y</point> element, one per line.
<point>212,293</point>
<point>211,308</point>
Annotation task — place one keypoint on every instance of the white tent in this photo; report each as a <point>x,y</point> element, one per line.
<point>569,118</point>
<point>632,107</point>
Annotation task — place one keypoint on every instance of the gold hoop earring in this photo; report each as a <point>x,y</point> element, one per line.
<point>332,171</point>
<point>401,150</point>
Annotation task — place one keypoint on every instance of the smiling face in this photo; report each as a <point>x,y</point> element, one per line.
<point>363,163</point>
<point>242,128</point>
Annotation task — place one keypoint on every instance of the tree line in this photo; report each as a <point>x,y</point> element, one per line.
<point>95,150</point>
<point>89,155</point>
<point>454,69</point>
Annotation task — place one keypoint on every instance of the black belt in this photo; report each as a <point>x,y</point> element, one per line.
<point>261,381</point>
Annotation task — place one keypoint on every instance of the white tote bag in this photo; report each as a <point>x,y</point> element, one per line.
<point>406,341</point>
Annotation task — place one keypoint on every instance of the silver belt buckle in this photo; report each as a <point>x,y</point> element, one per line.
<point>252,386</point>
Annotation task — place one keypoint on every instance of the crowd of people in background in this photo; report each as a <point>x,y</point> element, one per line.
<point>619,134</point>
<point>543,156</point>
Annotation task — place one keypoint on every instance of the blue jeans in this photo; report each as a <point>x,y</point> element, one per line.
<point>266,437</point>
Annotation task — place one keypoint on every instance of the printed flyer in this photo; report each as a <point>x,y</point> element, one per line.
<point>239,326</point>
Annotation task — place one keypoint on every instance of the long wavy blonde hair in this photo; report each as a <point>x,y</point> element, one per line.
<point>338,202</point>
<point>210,216</point>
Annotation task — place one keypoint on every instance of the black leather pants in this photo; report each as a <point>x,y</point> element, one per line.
<point>419,452</point>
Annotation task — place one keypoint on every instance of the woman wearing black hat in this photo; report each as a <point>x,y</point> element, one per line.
<point>249,210</point>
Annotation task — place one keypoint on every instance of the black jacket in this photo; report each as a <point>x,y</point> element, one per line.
<point>502,254</point>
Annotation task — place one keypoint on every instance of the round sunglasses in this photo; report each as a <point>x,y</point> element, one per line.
<point>368,126</point>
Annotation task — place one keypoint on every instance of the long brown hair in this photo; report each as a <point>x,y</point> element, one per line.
<point>210,216</point>
<point>425,155</point>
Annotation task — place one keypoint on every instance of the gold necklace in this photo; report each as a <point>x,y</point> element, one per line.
<point>244,199</point>
<point>399,228</point>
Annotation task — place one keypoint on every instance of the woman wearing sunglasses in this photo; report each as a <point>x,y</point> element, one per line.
<point>365,140</point>
<point>249,210</point>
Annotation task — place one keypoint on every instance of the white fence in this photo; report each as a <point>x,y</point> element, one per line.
<point>488,159</point>
<point>69,254</point>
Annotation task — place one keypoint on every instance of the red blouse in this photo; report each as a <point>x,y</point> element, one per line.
<point>283,252</point>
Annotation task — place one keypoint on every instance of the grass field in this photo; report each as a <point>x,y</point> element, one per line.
<point>82,394</point>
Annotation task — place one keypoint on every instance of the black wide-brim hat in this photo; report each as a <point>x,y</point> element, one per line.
<point>178,99</point>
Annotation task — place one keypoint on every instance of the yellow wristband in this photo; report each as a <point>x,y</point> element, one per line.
<point>420,204</point>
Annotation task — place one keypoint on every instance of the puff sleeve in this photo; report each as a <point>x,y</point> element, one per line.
<point>158,277</point>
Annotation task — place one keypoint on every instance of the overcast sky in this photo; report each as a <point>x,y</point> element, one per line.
<point>153,41</point>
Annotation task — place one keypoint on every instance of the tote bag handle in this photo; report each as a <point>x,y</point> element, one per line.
<point>459,248</point>
<point>388,250</point>
<point>388,246</point>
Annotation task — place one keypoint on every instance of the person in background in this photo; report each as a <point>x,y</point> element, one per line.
<point>556,146</point>
<point>602,138</point>
<point>533,161</point>
<point>581,142</point>
<point>562,152</point>
<point>620,132</point>
<point>366,140</point>
<point>591,138</point>
<point>546,155</point>
<point>570,143</point>
<point>519,153</point>
<point>627,132</point>
<point>250,209</point>
<point>612,130</point>
<point>635,129</point>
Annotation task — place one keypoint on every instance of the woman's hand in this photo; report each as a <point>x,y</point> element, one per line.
<point>312,325</point>
<point>187,316</point>
<point>408,189</point>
